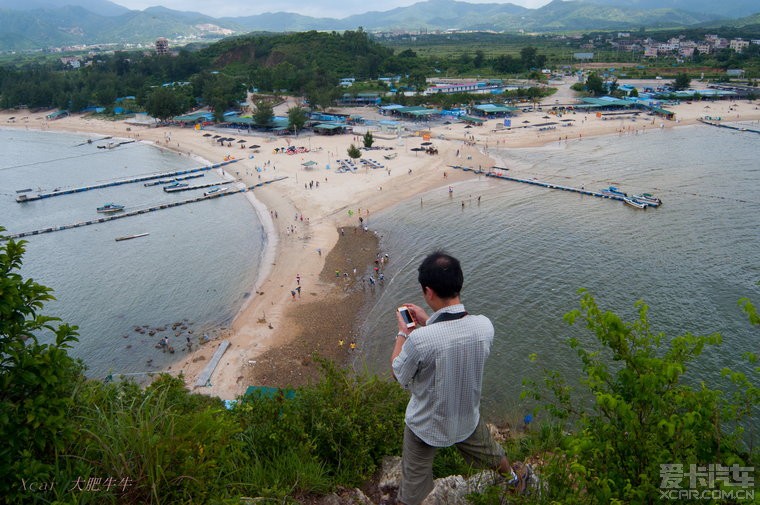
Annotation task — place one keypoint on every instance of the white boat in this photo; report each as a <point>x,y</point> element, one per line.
<point>634,203</point>
<point>648,199</point>
<point>175,186</point>
<point>129,237</point>
<point>110,208</point>
<point>215,191</point>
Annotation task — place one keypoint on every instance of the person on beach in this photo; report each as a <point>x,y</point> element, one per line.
<point>441,362</point>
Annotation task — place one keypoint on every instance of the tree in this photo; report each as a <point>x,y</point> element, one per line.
<point>353,152</point>
<point>479,59</point>
<point>368,139</point>
<point>164,103</point>
<point>682,81</point>
<point>264,113</point>
<point>37,381</point>
<point>296,118</point>
<point>534,95</point>
<point>506,64</point>
<point>594,84</point>
<point>634,93</point>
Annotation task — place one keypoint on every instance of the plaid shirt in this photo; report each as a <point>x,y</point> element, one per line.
<point>442,366</point>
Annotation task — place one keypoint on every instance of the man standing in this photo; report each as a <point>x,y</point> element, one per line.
<point>441,362</point>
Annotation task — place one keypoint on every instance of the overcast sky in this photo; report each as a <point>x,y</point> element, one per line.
<point>315,8</point>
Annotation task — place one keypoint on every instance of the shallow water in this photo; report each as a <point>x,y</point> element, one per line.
<point>527,250</point>
<point>195,267</point>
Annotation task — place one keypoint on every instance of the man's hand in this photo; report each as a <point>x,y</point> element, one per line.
<point>418,314</point>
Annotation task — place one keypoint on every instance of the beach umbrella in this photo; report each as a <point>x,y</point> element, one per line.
<point>217,136</point>
<point>526,121</point>
<point>241,141</point>
<point>426,144</point>
<point>545,117</point>
<point>206,134</point>
<point>417,149</point>
<point>254,146</point>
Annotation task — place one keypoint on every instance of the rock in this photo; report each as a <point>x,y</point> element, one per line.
<point>450,490</point>
<point>390,473</point>
<point>348,497</point>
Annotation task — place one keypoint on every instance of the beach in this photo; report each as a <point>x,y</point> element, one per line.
<point>275,333</point>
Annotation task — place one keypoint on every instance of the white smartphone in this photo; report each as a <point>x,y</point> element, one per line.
<point>407,317</point>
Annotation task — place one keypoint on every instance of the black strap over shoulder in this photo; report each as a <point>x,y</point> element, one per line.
<point>449,316</point>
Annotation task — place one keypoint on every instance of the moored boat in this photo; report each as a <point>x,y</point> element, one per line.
<point>634,203</point>
<point>648,199</point>
<point>174,186</point>
<point>110,208</point>
<point>129,237</point>
<point>215,191</point>
<point>613,191</point>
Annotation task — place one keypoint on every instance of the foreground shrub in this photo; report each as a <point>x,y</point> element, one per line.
<point>37,380</point>
<point>642,415</point>
<point>344,424</point>
<point>158,445</point>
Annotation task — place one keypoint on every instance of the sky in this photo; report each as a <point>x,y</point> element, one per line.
<point>314,8</point>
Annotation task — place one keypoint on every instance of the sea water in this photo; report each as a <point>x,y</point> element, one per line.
<point>196,266</point>
<point>527,250</point>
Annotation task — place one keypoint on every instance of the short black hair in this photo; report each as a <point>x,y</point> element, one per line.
<point>442,273</point>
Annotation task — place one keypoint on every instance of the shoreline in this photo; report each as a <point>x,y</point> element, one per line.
<point>304,236</point>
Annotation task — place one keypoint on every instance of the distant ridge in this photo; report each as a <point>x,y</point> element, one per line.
<point>39,24</point>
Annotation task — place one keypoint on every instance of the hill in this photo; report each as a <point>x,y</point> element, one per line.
<point>35,24</point>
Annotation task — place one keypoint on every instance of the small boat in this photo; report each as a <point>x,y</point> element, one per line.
<point>215,191</point>
<point>110,208</point>
<point>634,203</point>
<point>613,191</point>
<point>130,237</point>
<point>174,186</point>
<point>390,156</point>
<point>648,199</point>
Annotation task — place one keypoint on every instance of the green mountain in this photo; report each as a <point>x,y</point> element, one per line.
<point>28,26</point>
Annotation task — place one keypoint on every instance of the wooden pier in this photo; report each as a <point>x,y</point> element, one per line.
<point>137,212</point>
<point>204,379</point>
<point>730,127</point>
<point>173,179</point>
<point>197,186</point>
<point>498,173</point>
<point>23,198</point>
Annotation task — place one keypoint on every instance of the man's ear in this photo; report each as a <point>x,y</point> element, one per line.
<point>427,292</point>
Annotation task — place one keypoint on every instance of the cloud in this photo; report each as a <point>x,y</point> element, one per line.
<point>314,8</point>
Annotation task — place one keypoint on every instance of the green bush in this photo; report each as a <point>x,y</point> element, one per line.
<point>344,424</point>
<point>37,380</point>
<point>165,444</point>
<point>641,414</point>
